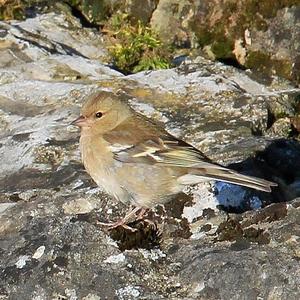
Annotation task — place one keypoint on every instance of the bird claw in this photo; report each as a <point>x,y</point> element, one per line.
<point>128,219</point>
<point>151,224</point>
<point>111,226</point>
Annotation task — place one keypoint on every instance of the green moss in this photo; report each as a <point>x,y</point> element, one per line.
<point>12,9</point>
<point>268,9</point>
<point>263,62</point>
<point>95,11</point>
<point>221,46</point>
<point>136,47</point>
<point>232,7</point>
<point>283,68</point>
<point>204,37</point>
<point>258,60</point>
<point>222,49</point>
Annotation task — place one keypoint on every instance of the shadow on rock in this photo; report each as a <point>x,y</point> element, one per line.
<point>280,163</point>
<point>145,235</point>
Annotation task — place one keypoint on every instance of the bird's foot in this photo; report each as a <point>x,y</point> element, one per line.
<point>141,214</point>
<point>150,224</point>
<point>132,216</point>
<point>120,223</point>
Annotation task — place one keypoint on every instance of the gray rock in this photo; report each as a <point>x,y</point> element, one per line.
<point>78,206</point>
<point>5,206</point>
<point>241,268</point>
<point>51,246</point>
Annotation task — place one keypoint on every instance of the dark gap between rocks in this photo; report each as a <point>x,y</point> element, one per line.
<point>231,62</point>
<point>83,20</point>
<point>271,118</point>
<point>146,236</point>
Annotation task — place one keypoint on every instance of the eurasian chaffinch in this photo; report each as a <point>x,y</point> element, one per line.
<point>137,161</point>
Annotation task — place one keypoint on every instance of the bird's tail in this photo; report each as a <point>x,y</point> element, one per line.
<point>227,175</point>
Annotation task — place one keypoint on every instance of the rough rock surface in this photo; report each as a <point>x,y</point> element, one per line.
<point>50,244</point>
<point>259,35</point>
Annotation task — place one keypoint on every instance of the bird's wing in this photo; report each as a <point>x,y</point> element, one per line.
<point>145,142</point>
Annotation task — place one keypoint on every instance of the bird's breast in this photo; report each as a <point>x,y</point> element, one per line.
<point>99,163</point>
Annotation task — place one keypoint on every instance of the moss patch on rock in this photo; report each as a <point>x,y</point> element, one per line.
<point>12,9</point>
<point>219,30</point>
<point>95,11</point>
<point>135,47</point>
<point>263,62</point>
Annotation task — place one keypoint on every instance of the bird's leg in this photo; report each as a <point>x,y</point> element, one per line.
<point>141,217</point>
<point>122,222</point>
<point>142,212</point>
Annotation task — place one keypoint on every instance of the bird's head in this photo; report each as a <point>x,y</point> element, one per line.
<point>101,112</point>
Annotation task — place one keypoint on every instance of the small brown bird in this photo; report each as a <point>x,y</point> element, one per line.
<point>137,161</point>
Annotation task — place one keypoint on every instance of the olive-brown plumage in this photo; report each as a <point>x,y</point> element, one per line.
<point>137,161</point>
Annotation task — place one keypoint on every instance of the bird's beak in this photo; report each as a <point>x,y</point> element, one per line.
<point>81,121</point>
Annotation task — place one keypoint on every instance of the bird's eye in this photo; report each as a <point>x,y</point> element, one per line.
<point>99,114</point>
